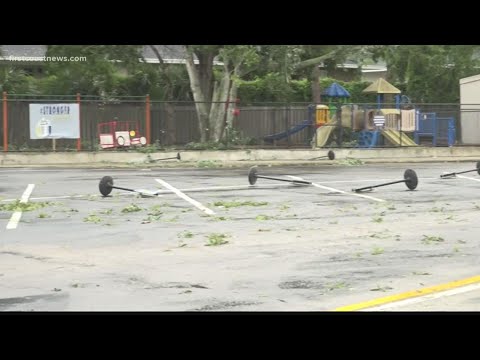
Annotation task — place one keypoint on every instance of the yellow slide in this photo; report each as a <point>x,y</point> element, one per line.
<point>394,137</point>
<point>323,133</point>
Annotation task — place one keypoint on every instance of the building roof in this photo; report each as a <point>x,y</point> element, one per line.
<point>370,67</point>
<point>469,79</point>
<point>169,53</point>
<point>24,53</point>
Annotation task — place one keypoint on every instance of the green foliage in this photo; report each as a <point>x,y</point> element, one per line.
<point>106,212</point>
<point>185,234</point>
<point>14,80</point>
<point>154,214</point>
<point>377,251</point>
<point>350,161</point>
<point>108,71</point>
<point>235,137</point>
<point>263,73</point>
<point>147,149</point>
<point>131,208</point>
<point>421,273</point>
<point>301,90</point>
<point>210,145</point>
<point>216,239</point>
<point>236,203</point>
<point>24,206</point>
<point>263,217</point>
<point>93,219</point>
<point>209,164</point>
<point>162,83</point>
<point>281,59</point>
<point>99,74</point>
<point>272,88</point>
<point>430,73</point>
<point>220,218</point>
<point>428,239</point>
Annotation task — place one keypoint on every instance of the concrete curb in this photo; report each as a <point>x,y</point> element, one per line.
<point>238,158</point>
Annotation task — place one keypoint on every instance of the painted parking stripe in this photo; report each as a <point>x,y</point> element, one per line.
<point>375,303</point>
<point>185,197</point>
<point>337,190</point>
<point>17,215</point>
<point>467,178</point>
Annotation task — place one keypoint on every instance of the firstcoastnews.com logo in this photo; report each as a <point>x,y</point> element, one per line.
<point>47,58</point>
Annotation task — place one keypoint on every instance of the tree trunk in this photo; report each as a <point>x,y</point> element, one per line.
<point>315,61</point>
<point>198,97</point>
<point>231,105</point>
<point>171,137</point>
<point>316,98</point>
<point>205,69</point>
<point>217,112</point>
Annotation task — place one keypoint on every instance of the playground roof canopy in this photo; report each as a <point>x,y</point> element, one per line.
<point>336,90</point>
<point>381,86</point>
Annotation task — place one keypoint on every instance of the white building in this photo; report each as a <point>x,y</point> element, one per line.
<point>470,110</point>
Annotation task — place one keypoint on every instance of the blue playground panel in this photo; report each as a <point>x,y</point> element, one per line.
<point>439,129</point>
<point>369,139</point>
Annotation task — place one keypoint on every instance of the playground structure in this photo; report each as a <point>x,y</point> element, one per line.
<point>120,134</point>
<point>397,127</point>
<point>374,125</point>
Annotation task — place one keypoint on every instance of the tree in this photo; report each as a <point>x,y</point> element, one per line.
<point>277,59</point>
<point>330,56</point>
<point>213,88</point>
<point>272,73</point>
<point>174,84</point>
<point>16,81</point>
<point>302,61</point>
<point>430,73</point>
<point>100,74</point>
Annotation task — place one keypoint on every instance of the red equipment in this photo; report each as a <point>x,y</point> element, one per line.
<point>115,134</point>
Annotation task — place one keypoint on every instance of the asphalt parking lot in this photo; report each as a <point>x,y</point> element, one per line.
<point>222,245</point>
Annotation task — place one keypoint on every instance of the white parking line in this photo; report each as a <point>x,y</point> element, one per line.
<point>185,197</point>
<point>337,190</point>
<point>468,178</point>
<point>17,215</point>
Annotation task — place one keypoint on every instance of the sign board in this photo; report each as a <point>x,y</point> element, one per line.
<point>54,121</point>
